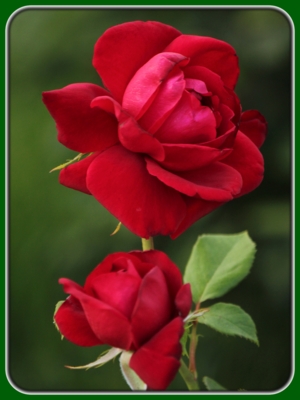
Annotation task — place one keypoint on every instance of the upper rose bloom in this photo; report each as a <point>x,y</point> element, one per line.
<point>168,138</point>
<point>133,301</point>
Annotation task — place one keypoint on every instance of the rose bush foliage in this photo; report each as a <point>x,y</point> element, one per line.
<point>168,139</point>
<point>133,301</point>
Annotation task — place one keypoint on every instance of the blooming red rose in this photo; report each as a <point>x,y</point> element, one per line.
<point>168,140</point>
<point>133,301</point>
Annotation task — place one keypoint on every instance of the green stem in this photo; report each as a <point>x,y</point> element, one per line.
<point>188,377</point>
<point>193,346</point>
<point>147,244</point>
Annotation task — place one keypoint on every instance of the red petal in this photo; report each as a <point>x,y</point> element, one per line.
<point>216,55</point>
<point>248,161</point>
<point>215,182</point>
<point>123,49</point>
<point>81,128</point>
<point>131,135</point>
<point>223,141</point>
<point>226,124</point>
<point>73,324</point>
<point>108,324</point>
<point>137,140</point>
<point>153,307</point>
<point>142,89</point>
<point>167,97</point>
<point>105,266</point>
<point>117,289</point>
<point>196,209</point>
<point>188,123</point>
<point>161,260</point>
<point>183,300</point>
<point>74,175</point>
<point>197,85</point>
<point>185,157</point>
<point>156,363</point>
<point>217,86</point>
<point>254,125</point>
<point>120,182</point>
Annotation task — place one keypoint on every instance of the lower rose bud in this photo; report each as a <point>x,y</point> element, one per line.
<point>133,301</point>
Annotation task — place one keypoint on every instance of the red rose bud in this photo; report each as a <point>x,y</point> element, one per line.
<point>133,301</point>
<point>168,138</point>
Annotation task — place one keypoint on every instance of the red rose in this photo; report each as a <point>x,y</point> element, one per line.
<point>168,138</point>
<point>133,301</point>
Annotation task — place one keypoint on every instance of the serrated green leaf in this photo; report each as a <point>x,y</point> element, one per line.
<point>217,264</point>
<point>132,379</point>
<point>211,384</point>
<point>231,320</point>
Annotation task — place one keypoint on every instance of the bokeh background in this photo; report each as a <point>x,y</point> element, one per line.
<point>57,232</point>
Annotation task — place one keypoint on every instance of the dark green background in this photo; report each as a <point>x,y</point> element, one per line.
<point>55,232</point>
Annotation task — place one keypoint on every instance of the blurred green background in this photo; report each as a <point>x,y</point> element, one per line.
<point>57,232</point>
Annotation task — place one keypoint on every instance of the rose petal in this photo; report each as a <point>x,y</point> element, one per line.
<point>226,125</point>
<point>183,300</point>
<point>196,209</point>
<point>125,48</point>
<point>215,182</point>
<point>131,135</point>
<point>223,141</point>
<point>254,125</point>
<point>127,265</point>
<point>142,89</point>
<point>188,123</point>
<point>170,270</point>
<point>248,161</point>
<point>102,318</point>
<point>137,140</point>
<point>216,55</point>
<point>107,265</point>
<point>118,179</point>
<point>185,157</point>
<point>156,362</point>
<point>73,324</point>
<point>153,307</point>
<point>168,95</point>
<point>198,86</point>
<point>81,128</point>
<point>217,86</point>
<point>117,289</point>
<point>74,175</point>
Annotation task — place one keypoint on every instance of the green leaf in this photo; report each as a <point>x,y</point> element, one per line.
<point>211,384</point>
<point>218,263</point>
<point>231,320</point>
<point>132,379</point>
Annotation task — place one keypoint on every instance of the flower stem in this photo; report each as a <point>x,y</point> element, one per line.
<point>193,346</point>
<point>147,244</point>
<point>188,377</point>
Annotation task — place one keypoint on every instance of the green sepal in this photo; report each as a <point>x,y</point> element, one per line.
<point>184,339</point>
<point>103,359</point>
<point>55,311</point>
<point>131,378</point>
